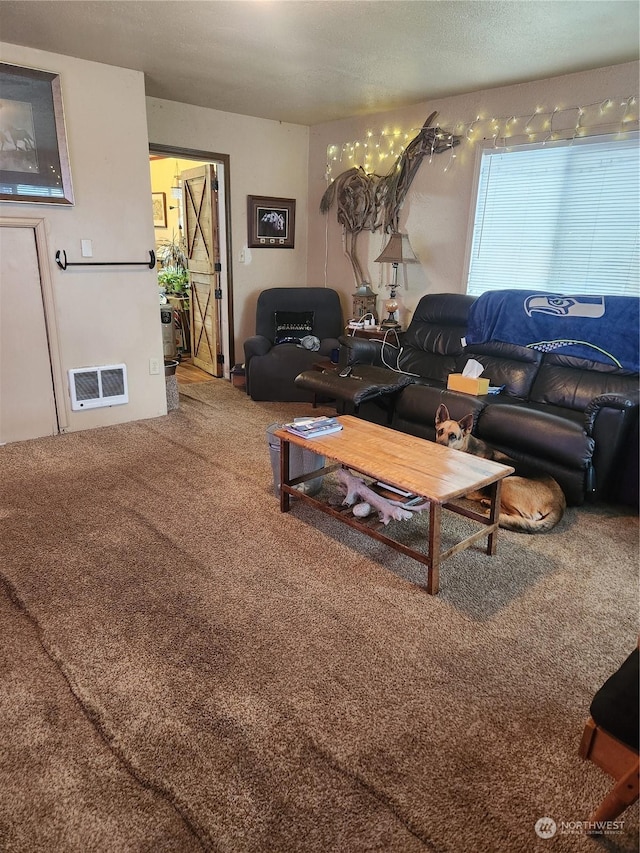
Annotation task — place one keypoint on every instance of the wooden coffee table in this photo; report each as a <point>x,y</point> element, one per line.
<point>412,464</point>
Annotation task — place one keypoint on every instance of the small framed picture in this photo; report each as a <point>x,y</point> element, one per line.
<point>159,202</point>
<point>271,222</point>
<point>34,161</point>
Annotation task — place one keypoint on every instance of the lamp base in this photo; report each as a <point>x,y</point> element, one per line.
<point>390,323</point>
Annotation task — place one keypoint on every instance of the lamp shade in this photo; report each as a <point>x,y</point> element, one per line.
<point>397,251</point>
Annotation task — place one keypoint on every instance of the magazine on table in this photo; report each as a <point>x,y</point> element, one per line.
<point>313,427</point>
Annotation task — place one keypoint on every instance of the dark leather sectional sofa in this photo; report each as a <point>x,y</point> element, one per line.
<point>573,418</point>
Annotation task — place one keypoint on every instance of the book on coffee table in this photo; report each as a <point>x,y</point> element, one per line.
<point>313,427</point>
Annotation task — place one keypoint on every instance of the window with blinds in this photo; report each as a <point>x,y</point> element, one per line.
<point>561,217</point>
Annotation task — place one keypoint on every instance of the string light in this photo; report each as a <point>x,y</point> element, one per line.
<point>541,123</point>
<point>578,130</point>
<point>627,104</point>
<point>549,125</point>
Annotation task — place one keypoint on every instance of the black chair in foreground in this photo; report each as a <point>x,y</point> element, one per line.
<point>610,740</point>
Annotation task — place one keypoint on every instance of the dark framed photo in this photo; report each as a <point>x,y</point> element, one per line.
<point>34,161</point>
<point>271,222</point>
<point>159,202</point>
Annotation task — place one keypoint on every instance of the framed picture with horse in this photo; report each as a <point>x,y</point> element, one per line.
<point>34,161</point>
<point>271,222</point>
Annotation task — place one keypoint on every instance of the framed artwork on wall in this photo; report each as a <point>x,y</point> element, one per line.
<point>34,161</point>
<point>271,222</point>
<point>159,202</point>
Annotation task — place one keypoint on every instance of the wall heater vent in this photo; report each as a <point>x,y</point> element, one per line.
<point>92,387</point>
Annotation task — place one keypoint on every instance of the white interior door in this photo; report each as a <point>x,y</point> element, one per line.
<point>27,400</point>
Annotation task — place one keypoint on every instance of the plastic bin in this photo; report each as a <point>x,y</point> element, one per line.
<point>300,462</point>
<point>168,332</point>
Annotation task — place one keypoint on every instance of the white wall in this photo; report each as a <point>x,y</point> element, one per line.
<point>268,158</point>
<point>104,315</point>
<point>437,207</point>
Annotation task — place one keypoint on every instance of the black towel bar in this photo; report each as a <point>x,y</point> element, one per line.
<point>61,260</point>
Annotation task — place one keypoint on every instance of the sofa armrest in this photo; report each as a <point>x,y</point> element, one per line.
<point>327,345</point>
<point>256,345</point>
<point>611,420</point>
<point>366,351</point>
<point>617,401</point>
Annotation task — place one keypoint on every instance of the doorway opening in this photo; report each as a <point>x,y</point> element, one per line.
<point>191,199</point>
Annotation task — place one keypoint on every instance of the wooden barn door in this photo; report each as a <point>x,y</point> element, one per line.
<point>200,204</point>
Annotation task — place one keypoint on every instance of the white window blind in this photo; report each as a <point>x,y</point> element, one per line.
<point>560,217</point>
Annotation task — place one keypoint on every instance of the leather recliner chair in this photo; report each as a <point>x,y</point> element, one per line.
<point>274,356</point>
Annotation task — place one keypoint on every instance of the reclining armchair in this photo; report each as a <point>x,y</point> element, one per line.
<point>610,740</point>
<point>295,327</point>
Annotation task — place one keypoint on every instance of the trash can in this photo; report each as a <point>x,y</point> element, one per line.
<point>300,462</point>
<point>171,382</point>
<point>168,331</point>
<point>238,378</point>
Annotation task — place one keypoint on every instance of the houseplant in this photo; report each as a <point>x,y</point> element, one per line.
<point>173,282</point>
<point>173,276</point>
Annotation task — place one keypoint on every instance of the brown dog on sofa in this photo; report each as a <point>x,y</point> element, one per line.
<point>527,505</point>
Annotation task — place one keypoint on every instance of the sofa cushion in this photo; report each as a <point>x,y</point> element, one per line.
<point>574,382</point>
<point>433,340</point>
<point>429,367</point>
<point>508,365</point>
<point>538,434</point>
<point>323,301</point>
<point>273,374</point>
<point>415,409</point>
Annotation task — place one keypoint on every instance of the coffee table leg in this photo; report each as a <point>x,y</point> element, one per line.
<point>285,497</point>
<point>494,512</point>
<point>433,569</point>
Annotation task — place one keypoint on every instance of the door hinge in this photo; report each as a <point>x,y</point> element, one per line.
<point>218,293</point>
<point>220,358</point>
<point>214,184</point>
<point>217,267</point>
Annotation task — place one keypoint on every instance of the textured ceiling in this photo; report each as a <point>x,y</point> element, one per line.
<point>320,60</point>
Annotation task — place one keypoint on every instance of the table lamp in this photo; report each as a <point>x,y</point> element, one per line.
<point>397,251</point>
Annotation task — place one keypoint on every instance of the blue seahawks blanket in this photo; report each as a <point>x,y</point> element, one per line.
<point>600,328</point>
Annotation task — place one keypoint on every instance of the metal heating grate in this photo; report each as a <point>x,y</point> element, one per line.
<point>92,387</point>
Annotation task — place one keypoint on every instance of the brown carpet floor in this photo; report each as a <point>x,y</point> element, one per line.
<point>184,668</point>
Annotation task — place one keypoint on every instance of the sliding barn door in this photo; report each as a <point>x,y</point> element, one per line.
<point>200,204</point>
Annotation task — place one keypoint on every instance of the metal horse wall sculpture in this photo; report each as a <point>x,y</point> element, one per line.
<point>369,201</point>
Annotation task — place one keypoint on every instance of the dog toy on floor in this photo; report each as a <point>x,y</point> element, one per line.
<point>364,500</point>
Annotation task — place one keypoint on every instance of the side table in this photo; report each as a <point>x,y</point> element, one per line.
<point>371,332</point>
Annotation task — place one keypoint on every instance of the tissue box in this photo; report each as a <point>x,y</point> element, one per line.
<point>467,384</point>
